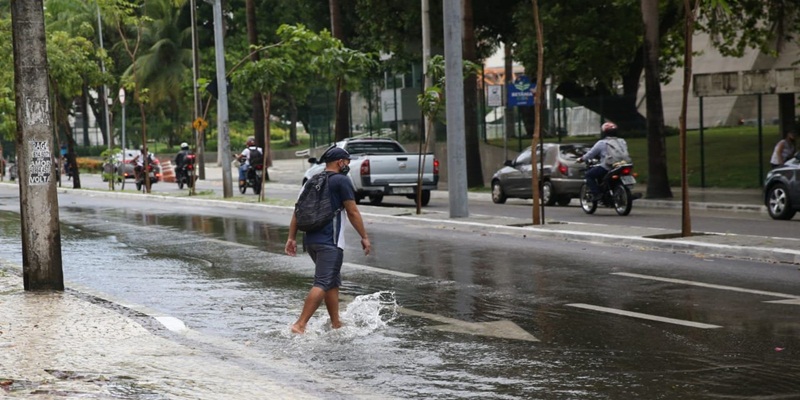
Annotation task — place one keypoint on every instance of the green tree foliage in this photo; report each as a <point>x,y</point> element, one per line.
<point>8,125</point>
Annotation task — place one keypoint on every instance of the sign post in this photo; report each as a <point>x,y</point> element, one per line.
<point>121,97</point>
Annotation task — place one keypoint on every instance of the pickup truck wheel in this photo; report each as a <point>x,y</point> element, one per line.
<point>425,198</point>
<point>375,199</point>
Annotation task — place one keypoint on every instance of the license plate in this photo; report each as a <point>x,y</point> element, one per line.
<point>628,180</point>
<point>402,190</point>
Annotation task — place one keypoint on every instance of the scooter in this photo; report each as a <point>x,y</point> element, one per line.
<point>615,188</point>
<point>183,174</point>
<point>252,178</point>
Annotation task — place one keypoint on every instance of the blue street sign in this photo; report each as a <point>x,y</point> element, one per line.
<point>520,93</point>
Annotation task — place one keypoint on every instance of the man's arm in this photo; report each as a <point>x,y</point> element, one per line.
<point>358,224</point>
<point>291,242</point>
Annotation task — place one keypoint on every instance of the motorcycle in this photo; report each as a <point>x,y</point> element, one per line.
<point>252,178</point>
<point>183,174</point>
<point>155,176</point>
<point>615,188</point>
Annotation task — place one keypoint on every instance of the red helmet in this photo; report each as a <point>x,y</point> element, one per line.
<point>608,127</point>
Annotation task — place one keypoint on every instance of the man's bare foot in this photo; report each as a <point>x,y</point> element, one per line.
<point>297,329</point>
<point>336,325</point>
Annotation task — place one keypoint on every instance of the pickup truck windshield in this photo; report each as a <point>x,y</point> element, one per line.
<point>376,147</point>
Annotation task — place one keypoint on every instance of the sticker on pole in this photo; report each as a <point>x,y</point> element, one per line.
<point>40,167</point>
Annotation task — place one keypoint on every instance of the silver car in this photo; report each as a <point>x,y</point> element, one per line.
<point>560,182</point>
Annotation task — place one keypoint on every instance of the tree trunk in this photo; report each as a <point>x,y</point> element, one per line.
<point>85,112</point>
<point>472,141</point>
<point>293,117</point>
<point>508,116</point>
<point>257,100</point>
<point>657,181</point>
<point>342,126</point>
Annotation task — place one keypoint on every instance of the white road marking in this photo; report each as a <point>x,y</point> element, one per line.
<point>503,329</point>
<point>645,316</point>
<point>380,270</point>
<point>708,285</point>
<point>789,301</point>
<point>172,323</point>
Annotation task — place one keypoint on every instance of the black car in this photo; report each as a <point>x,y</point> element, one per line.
<point>561,180</point>
<point>782,190</point>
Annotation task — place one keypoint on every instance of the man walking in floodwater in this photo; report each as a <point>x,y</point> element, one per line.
<point>326,245</point>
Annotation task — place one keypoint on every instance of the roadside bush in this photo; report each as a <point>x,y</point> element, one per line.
<point>89,164</point>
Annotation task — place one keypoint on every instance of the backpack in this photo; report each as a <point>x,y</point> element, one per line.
<point>314,209</point>
<point>616,151</point>
<point>256,158</point>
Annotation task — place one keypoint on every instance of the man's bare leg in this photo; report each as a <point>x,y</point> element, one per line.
<point>313,300</point>
<point>332,304</point>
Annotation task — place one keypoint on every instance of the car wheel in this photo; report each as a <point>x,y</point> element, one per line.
<point>375,199</point>
<point>498,196</point>
<point>778,203</point>
<point>587,205</point>
<point>548,198</point>
<point>564,200</point>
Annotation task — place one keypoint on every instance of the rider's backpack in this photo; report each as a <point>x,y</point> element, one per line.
<point>616,151</point>
<point>256,158</point>
<point>313,209</point>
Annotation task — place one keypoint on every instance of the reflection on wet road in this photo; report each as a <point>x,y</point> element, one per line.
<point>413,333</point>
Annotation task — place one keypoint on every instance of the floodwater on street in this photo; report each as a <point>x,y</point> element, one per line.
<point>407,334</point>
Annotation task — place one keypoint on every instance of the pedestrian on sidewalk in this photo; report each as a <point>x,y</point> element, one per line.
<point>784,150</point>
<point>326,245</point>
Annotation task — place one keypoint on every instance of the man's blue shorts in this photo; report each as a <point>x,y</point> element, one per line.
<point>328,261</point>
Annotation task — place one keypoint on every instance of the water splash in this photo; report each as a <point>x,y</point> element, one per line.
<point>369,313</point>
<point>364,315</point>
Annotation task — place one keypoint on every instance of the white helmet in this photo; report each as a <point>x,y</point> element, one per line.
<point>184,146</point>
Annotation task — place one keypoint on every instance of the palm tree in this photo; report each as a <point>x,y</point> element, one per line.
<point>163,67</point>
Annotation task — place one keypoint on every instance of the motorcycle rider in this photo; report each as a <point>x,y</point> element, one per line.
<point>181,159</point>
<point>244,158</point>
<point>608,133</point>
<point>138,162</point>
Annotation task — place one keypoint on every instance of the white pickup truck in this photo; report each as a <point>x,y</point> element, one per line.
<point>382,167</point>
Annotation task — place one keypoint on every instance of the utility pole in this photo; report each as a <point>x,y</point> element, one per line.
<point>454,93</point>
<point>222,102</point>
<point>41,236</point>
<point>426,57</point>
<point>199,134</point>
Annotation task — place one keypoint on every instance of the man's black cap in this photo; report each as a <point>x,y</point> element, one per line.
<point>335,154</point>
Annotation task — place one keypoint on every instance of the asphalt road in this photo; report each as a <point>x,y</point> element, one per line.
<point>461,313</point>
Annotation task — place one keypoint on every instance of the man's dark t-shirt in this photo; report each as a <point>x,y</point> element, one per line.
<point>333,233</point>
